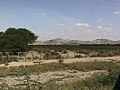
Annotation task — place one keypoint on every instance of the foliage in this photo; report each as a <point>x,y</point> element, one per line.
<point>88,50</point>
<point>16,40</point>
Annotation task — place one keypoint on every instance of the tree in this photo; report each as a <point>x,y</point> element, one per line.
<point>16,40</point>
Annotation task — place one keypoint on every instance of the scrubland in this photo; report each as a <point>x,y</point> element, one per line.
<point>61,68</point>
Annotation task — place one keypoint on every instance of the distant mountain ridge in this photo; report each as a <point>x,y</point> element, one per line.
<point>60,41</point>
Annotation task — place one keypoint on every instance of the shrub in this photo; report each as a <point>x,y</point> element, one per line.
<point>78,56</point>
<point>6,64</point>
<point>60,61</point>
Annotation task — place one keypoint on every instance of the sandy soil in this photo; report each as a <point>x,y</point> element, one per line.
<point>24,63</point>
<point>59,76</point>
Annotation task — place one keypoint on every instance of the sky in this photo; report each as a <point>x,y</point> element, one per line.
<point>67,19</point>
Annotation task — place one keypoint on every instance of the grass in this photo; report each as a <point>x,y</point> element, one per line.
<point>96,82</point>
<point>81,66</point>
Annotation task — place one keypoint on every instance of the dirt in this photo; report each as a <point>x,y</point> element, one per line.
<point>59,76</point>
<point>29,62</point>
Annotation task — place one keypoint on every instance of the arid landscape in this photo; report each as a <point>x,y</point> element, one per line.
<point>59,44</point>
<point>72,60</point>
<point>60,65</point>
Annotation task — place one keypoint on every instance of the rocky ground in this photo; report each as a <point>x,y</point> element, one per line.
<point>59,76</point>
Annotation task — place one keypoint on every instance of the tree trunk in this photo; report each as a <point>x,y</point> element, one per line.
<point>1,57</point>
<point>117,84</point>
<point>7,56</point>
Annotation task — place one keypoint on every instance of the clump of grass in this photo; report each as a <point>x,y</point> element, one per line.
<point>60,61</point>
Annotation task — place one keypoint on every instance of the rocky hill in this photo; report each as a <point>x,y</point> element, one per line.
<point>60,41</point>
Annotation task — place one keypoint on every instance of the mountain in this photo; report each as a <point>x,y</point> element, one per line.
<point>60,41</point>
<point>57,41</point>
<point>104,41</point>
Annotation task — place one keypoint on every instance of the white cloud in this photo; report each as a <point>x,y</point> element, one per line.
<point>100,27</point>
<point>105,29</point>
<point>89,31</point>
<point>61,24</point>
<point>117,12</point>
<point>111,24</point>
<point>61,32</point>
<point>100,20</point>
<point>109,29</point>
<point>51,33</point>
<point>84,26</point>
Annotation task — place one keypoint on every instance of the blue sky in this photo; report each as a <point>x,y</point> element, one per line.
<point>68,19</point>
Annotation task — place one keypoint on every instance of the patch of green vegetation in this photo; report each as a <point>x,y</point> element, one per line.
<point>81,66</point>
<point>88,50</point>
